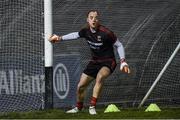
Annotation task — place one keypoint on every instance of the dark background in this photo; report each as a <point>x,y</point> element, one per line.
<point>148,29</point>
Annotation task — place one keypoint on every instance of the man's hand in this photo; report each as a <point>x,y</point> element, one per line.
<point>55,38</point>
<point>124,67</point>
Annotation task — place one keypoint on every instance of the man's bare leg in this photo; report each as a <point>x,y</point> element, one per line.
<point>82,85</point>
<point>103,73</point>
<point>81,89</point>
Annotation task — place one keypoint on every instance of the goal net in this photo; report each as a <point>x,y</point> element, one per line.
<point>166,92</point>
<point>149,31</point>
<point>21,55</point>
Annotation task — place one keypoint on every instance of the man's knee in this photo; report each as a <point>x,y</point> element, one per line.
<point>81,88</point>
<point>101,76</point>
<point>103,73</point>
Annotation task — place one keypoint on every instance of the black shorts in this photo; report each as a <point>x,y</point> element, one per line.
<point>94,66</point>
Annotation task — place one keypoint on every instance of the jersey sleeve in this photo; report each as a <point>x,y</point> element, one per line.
<point>120,49</point>
<point>82,32</point>
<point>70,36</point>
<point>112,36</point>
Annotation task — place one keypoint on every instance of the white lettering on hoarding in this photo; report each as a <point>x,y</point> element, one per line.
<point>14,82</point>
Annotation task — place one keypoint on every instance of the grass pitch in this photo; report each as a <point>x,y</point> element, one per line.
<point>166,113</point>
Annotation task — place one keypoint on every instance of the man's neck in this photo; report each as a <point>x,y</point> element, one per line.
<point>93,30</point>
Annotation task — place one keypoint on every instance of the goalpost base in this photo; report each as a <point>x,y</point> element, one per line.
<point>48,88</point>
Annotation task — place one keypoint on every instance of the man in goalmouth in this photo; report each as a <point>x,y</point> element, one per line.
<point>101,42</point>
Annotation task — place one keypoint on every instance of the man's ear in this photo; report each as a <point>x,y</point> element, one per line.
<point>87,20</point>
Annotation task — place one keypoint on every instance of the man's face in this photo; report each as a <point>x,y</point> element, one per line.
<point>92,19</point>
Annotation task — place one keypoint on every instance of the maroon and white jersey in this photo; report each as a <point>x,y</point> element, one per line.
<point>100,41</point>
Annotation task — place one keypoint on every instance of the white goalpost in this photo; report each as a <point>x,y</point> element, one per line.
<point>160,75</point>
<point>48,53</point>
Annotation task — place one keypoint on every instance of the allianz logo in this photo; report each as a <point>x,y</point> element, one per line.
<point>13,82</point>
<point>61,81</point>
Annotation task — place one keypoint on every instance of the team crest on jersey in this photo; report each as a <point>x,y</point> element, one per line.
<point>99,38</point>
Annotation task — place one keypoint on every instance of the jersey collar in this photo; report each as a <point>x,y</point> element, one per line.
<point>94,30</point>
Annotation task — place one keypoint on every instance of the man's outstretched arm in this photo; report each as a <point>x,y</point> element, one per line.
<point>55,38</point>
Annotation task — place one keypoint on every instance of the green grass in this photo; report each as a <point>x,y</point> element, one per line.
<point>173,113</point>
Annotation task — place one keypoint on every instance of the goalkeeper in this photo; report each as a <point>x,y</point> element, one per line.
<point>101,42</point>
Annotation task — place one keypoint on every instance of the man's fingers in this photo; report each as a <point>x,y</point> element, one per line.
<point>126,69</point>
<point>50,38</point>
<point>54,38</point>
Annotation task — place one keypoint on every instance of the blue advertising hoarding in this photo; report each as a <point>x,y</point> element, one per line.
<point>65,79</point>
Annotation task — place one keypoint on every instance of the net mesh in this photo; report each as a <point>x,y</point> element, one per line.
<point>149,31</point>
<point>167,91</point>
<point>168,87</point>
<point>21,49</point>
